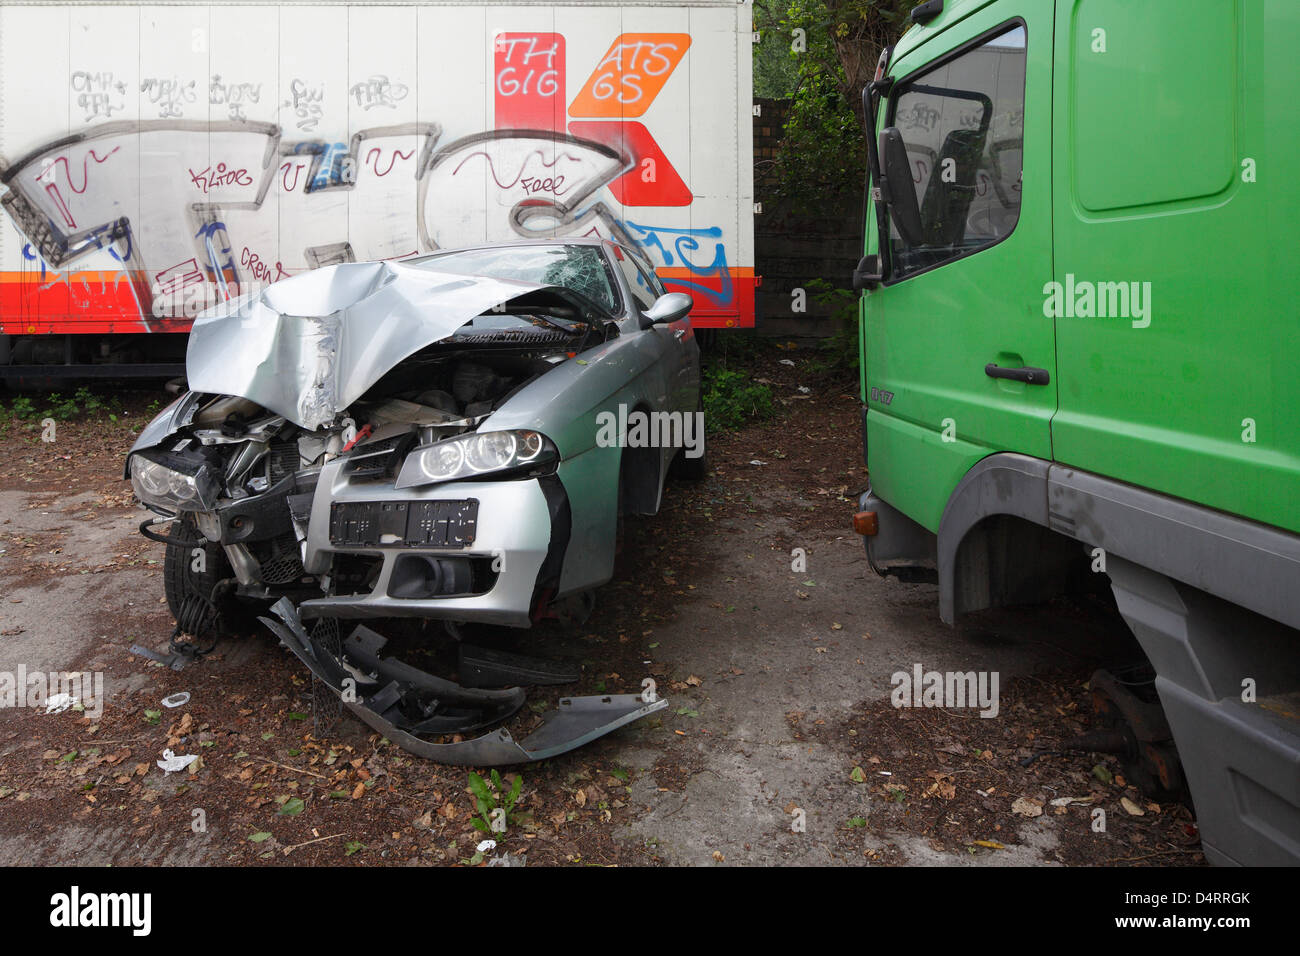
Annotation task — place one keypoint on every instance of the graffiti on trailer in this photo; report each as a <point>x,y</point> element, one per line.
<point>682,243</point>
<point>233,95</point>
<point>98,94</point>
<point>306,103</point>
<point>200,230</point>
<point>553,183</point>
<point>378,90</point>
<point>374,156</point>
<point>209,178</point>
<point>82,291</point>
<point>332,167</point>
<point>169,94</point>
<point>48,178</point>
<point>260,269</point>
<point>159,218</point>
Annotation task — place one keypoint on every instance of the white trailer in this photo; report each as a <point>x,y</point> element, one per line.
<point>155,159</point>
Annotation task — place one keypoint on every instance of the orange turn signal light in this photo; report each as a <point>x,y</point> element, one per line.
<point>865,522</point>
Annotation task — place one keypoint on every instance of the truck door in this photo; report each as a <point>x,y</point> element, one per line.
<point>959,359</point>
<point>1175,252</point>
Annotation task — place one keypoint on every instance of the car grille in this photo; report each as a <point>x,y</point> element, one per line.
<point>376,461</point>
<point>284,566</point>
<point>282,459</point>
<point>548,337</point>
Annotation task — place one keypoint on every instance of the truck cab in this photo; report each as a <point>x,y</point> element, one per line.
<point>1078,340</point>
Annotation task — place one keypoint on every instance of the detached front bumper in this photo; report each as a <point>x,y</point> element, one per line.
<point>480,551</point>
<point>408,706</point>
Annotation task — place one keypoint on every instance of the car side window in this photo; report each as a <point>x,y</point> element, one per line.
<point>652,281</point>
<point>962,126</point>
<point>642,291</point>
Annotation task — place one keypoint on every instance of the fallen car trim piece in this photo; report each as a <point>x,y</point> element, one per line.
<point>579,720</point>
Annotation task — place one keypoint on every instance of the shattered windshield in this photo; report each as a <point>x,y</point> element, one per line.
<point>580,268</point>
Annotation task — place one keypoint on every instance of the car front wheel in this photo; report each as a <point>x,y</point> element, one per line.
<point>191,575</point>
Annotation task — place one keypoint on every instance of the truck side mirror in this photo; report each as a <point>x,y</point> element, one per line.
<point>869,273</point>
<point>897,188</point>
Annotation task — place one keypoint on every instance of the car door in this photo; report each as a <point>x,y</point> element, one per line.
<point>685,348</point>
<point>961,307</point>
<point>670,375</point>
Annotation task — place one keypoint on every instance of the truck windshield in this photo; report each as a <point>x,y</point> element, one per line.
<point>962,126</point>
<point>580,268</point>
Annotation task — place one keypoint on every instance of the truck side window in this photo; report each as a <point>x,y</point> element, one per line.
<point>962,125</point>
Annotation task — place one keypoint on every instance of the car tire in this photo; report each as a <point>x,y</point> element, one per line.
<point>693,469</point>
<point>188,590</point>
<point>620,567</point>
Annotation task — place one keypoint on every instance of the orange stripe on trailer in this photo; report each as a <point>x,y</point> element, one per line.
<point>89,301</point>
<point>707,289</point>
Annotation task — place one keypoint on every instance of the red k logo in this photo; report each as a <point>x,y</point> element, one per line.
<point>530,95</point>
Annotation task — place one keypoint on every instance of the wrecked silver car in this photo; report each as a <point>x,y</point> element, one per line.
<point>454,437</point>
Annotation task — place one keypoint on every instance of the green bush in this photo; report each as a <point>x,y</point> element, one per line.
<point>62,408</point>
<point>731,399</point>
<point>55,405</point>
<point>88,400</point>
<point>22,407</point>
<point>840,348</point>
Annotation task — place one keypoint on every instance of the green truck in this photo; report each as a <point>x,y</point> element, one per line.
<point>1079,341</point>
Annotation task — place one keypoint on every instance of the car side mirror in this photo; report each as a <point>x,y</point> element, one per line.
<point>869,273</point>
<point>672,307</point>
<point>897,188</point>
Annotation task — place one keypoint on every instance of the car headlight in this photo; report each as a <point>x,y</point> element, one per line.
<point>498,454</point>
<point>170,488</point>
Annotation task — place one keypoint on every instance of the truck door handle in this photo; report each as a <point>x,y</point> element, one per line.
<point>1030,376</point>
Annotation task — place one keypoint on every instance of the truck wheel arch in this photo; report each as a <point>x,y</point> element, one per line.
<point>996,492</point>
<point>1241,561</point>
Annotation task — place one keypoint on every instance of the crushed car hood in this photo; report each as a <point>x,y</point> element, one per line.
<point>307,347</point>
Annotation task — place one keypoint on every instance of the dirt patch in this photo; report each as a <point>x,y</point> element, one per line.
<point>83,452</point>
<point>268,790</point>
<point>959,781</point>
<point>672,772</point>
